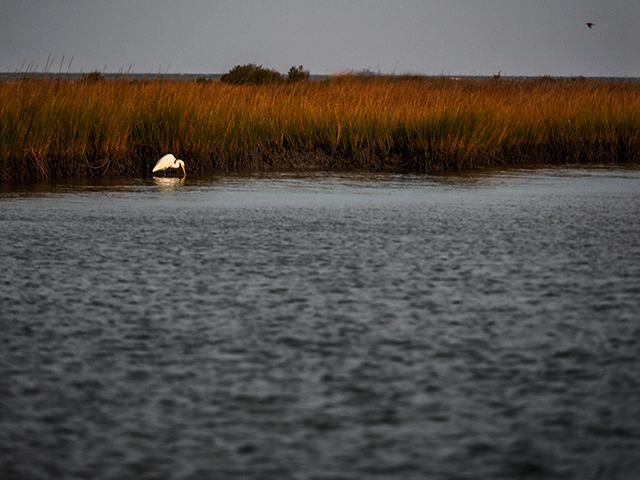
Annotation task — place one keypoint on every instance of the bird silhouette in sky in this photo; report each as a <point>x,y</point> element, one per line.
<point>590,25</point>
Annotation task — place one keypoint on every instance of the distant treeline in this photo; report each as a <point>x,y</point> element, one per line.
<point>86,127</point>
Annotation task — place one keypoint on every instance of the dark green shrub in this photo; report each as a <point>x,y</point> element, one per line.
<point>92,77</point>
<point>251,74</point>
<point>297,74</point>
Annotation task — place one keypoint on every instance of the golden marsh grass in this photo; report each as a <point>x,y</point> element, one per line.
<point>51,128</point>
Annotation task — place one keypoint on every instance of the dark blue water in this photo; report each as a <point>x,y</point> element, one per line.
<point>325,326</point>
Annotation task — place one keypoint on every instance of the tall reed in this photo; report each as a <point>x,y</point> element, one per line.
<point>51,128</point>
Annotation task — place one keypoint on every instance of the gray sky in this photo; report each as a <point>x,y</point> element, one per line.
<point>455,37</point>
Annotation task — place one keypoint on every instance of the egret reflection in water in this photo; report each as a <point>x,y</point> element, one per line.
<point>168,183</point>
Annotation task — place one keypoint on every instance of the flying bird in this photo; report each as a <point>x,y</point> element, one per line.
<point>168,161</point>
<point>590,25</point>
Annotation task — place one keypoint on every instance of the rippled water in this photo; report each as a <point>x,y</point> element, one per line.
<point>323,326</point>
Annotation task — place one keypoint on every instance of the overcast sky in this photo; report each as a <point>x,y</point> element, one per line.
<point>454,37</point>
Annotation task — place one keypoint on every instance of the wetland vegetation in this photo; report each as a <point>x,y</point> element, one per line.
<point>55,128</point>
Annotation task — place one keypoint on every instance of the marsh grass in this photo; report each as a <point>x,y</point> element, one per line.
<point>51,128</point>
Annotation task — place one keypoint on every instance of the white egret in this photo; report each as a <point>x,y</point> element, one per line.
<point>169,161</point>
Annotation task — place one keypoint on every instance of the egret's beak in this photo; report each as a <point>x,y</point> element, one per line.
<point>183,170</point>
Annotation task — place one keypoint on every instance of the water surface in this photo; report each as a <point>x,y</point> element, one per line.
<point>301,326</point>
